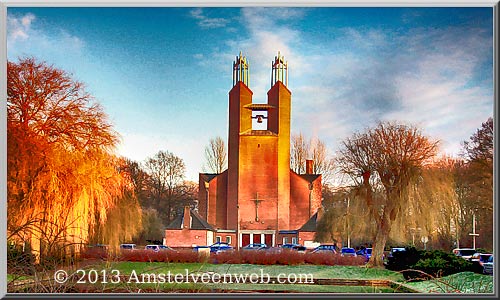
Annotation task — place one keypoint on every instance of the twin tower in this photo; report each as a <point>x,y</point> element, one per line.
<point>259,160</point>
<point>258,199</point>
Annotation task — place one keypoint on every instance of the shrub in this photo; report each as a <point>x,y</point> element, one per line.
<point>284,257</point>
<point>181,256</point>
<point>94,253</point>
<point>439,263</point>
<point>257,257</point>
<point>19,262</point>
<point>403,260</point>
<point>420,264</point>
<point>226,257</point>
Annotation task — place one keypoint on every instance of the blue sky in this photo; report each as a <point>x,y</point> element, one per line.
<point>163,74</point>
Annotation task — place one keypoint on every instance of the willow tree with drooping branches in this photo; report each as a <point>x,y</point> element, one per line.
<point>388,156</point>
<point>63,178</point>
<point>433,206</point>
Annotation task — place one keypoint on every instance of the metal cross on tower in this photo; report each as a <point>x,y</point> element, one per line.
<point>257,201</point>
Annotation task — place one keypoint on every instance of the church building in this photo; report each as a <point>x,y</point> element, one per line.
<point>258,199</point>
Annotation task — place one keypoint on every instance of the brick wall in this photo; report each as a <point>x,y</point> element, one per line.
<point>299,200</point>
<point>258,174</point>
<point>187,238</point>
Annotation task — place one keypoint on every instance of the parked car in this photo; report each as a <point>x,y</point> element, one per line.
<point>325,248</point>
<point>218,247</point>
<point>480,257</point>
<point>255,247</point>
<point>394,250</point>
<point>366,252</point>
<point>127,246</point>
<point>346,251</point>
<point>488,266</point>
<point>296,247</point>
<point>157,248</point>
<point>465,253</point>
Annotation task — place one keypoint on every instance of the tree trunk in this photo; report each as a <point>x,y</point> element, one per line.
<point>376,260</point>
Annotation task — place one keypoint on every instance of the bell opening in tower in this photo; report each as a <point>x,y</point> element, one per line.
<point>259,120</point>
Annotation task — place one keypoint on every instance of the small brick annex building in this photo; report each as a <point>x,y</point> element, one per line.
<point>258,199</point>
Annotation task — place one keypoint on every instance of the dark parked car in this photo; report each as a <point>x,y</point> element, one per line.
<point>366,252</point>
<point>395,249</point>
<point>488,266</point>
<point>296,247</point>
<point>480,257</point>
<point>345,251</point>
<point>478,260</point>
<point>464,253</point>
<point>215,248</point>
<point>255,247</point>
<point>127,246</point>
<point>325,248</point>
<point>218,247</point>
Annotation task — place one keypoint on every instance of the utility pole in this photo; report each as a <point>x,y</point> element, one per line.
<point>348,230</point>
<point>474,234</point>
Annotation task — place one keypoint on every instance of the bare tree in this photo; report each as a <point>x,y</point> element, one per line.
<point>475,179</point>
<point>299,154</point>
<point>390,155</point>
<point>216,155</point>
<point>322,163</point>
<point>315,150</point>
<point>166,173</point>
<point>139,180</point>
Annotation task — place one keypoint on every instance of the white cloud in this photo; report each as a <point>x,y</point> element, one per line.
<point>207,22</point>
<point>24,36</point>
<point>19,28</point>
<point>425,77</point>
<point>442,93</point>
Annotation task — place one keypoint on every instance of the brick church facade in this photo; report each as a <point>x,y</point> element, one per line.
<point>258,199</point>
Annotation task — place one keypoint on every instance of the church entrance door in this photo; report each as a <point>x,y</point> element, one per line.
<point>245,239</point>
<point>256,239</point>
<point>268,239</point>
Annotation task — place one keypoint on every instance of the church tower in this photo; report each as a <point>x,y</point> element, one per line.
<point>258,194</point>
<point>279,123</point>
<point>258,199</point>
<point>240,120</point>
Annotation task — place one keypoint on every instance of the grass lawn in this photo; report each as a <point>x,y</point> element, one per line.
<point>465,282</point>
<point>11,277</point>
<point>345,272</point>
<point>316,271</point>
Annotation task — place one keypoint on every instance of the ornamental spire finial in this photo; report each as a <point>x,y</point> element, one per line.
<point>279,70</point>
<point>241,70</point>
